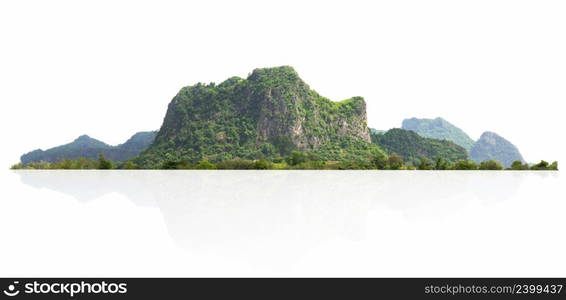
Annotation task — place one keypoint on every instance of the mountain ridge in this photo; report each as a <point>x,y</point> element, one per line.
<point>85,146</point>
<point>438,128</point>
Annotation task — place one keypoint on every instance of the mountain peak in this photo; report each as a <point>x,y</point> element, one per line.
<point>491,137</point>
<point>83,137</point>
<point>492,146</point>
<point>281,75</point>
<point>438,128</point>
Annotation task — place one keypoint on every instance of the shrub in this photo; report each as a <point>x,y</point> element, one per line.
<point>237,164</point>
<point>262,164</point>
<point>17,166</point>
<point>490,165</point>
<point>394,162</point>
<point>464,165</point>
<point>379,161</point>
<point>425,164</point>
<point>205,165</point>
<point>130,165</point>
<point>103,163</point>
<point>518,165</point>
<point>441,164</point>
<point>296,158</point>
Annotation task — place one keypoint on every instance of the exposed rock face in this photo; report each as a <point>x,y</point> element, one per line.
<point>491,146</point>
<point>87,147</point>
<point>292,110</point>
<point>438,129</point>
<point>269,113</point>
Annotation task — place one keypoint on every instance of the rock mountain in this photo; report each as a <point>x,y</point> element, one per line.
<point>491,146</point>
<point>269,113</point>
<point>87,147</point>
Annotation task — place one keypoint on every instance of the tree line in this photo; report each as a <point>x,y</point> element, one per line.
<point>297,160</point>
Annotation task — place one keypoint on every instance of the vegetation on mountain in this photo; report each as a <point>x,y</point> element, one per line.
<point>438,129</point>
<point>414,148</point>
<point>268,115</point>
<point>87,147</point>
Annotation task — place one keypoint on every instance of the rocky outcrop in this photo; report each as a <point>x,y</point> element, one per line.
<point>269,113</point>
<point>491,146</point>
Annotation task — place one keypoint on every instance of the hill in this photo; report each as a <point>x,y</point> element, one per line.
<point>438,129</point>
<point>269,114</point>
<point>413,147</point>
<point>491,146</point>
<point>87,147</point>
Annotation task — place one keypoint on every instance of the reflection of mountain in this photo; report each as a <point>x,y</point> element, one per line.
<point>235,212</point>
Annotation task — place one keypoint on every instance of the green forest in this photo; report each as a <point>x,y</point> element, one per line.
<point>295,161</point>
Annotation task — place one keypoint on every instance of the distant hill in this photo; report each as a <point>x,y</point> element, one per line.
<point>491,146</point>
<point>87,147</point>
<point>375,131</point>
<point>438,129</point>
<point>269,114</point>
<point>413,147</point>
<point>138,141</point>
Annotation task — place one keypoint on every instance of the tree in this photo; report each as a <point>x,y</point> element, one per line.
<point>297,158</point>
<point>518,165</point>
<point>441,164</point>
<point>284,144</point>
<point>130,165</point>
<point>464,165</point>
<point>206,165</point>
<point>490,165</point>
<point>103,163</point>
<point>542,165</point>
<point>170,164</point>
<point>65,164</point>
<point>379,161</point>
<point>262,164</point>
<point>425,164</point>
<point>17,166</point>
<point>268,150</point>
<point>395,162</point>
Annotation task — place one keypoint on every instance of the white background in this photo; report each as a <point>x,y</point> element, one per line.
<point>109,68</point>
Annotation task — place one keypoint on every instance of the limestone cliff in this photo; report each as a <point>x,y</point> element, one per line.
<point>270,113</point>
